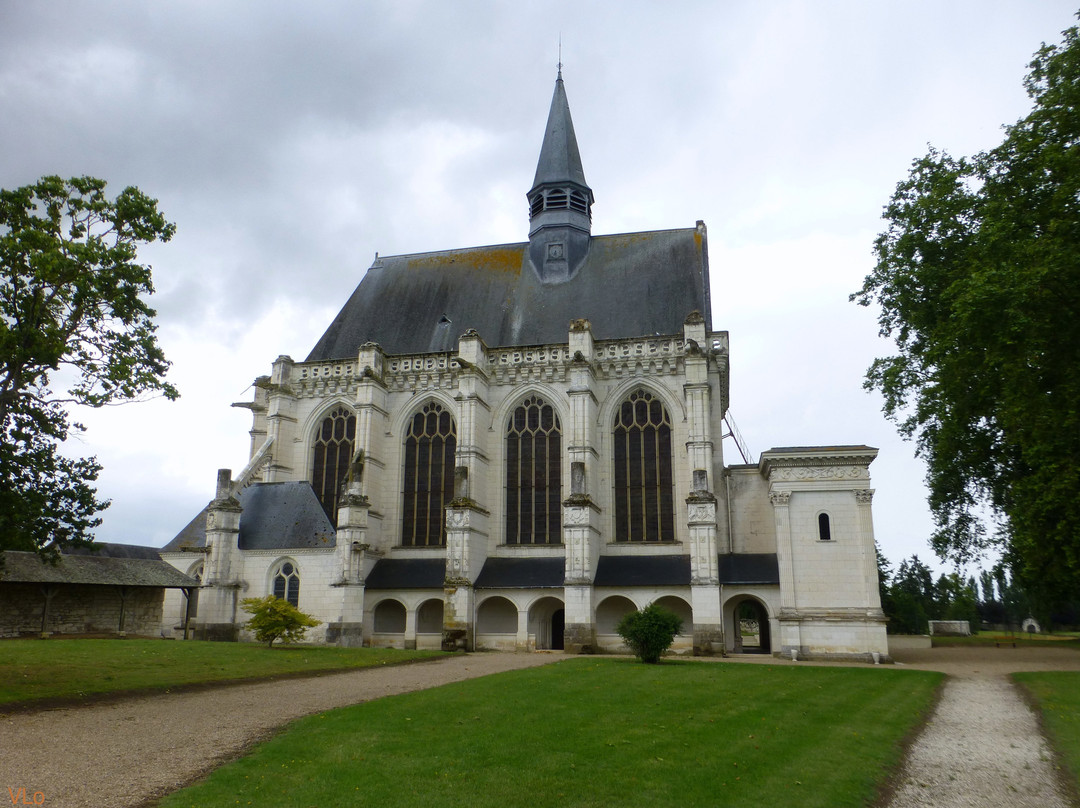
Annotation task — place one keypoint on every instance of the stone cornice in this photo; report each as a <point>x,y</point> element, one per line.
<point>812,462</point>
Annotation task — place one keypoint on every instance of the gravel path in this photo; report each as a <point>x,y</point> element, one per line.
<point>981,747</point>
<point>129,752</point>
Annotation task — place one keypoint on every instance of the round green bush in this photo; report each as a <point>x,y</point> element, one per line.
<point>649,632</point>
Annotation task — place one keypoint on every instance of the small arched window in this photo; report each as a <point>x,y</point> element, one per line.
<point>824,530</point>
<point>333,453</point>
<point>286,583</point>
<point>644,499</point>
<point>533,474</point>
<point>430,446</point>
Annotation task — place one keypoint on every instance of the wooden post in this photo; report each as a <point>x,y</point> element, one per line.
<point>187,609</point>
<point>123,603</point>
<point>48,590</point>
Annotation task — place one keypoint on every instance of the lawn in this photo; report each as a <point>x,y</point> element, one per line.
<point>1058,697</point>
<point>32,670</point>
<point>595,732</point>
<point>990,638</point>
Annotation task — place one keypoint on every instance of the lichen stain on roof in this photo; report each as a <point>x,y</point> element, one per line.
<point>629,285</point>
<point>505,259</point>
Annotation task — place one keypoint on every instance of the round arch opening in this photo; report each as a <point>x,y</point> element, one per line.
<point>750,627</point>
<point>547,624</point>
<point>389,617</point>
<point>496,615</point>
<point>682,610</point>
<point>610,611</point>
<point>429,617</point>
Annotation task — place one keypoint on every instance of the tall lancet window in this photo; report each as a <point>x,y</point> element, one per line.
<point>644,500</point>
<point>533,475</point>
<point>333,453</point>
<point>430,444</point>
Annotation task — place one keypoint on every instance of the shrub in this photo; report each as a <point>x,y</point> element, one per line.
<point>275,619</point>
<point>649,632</point>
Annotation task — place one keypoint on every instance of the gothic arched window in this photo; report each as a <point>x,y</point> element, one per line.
<point>644,500</point>
<point>430,444</point>
<point>333,453</point>
<point>533,475</point>
<point>286,583</point>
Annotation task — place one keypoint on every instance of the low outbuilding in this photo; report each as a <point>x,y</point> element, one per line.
<point>113,589</point>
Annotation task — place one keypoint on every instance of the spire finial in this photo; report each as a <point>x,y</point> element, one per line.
<point>559,66</point>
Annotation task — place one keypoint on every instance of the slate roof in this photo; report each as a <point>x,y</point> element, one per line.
<point>650,570</point>
<point>560,158</point>
<point>276,516</point>
<point>643,570</point>
<point>749,568</point>
<point>521,573</point>
<point>422,303</point>
<point>407,573</point>
<point>105,565</point>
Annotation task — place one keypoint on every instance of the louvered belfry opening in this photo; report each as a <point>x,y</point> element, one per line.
<point>644,500</point>
<point>534,474</point>
<point>333,453</point>
<point>430,445</point>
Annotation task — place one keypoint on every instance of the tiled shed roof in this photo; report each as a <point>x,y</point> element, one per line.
<point>110,566</point>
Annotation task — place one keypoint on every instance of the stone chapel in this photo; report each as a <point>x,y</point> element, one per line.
<point>509,447</point>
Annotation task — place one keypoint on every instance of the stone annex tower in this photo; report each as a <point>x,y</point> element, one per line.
<point>512,446</point>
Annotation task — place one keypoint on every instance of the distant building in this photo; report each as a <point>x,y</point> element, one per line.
<point>512,446</point>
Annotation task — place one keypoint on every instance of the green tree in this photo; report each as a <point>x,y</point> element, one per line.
<point>649,632</point>
<point>72,303</point>
<point>978,282</point>
<point>273,618</point>
<point>958,600</point>
<point>885,576</point>
<point>912,598</point>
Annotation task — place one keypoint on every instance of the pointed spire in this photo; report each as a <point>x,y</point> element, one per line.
<point>560,161</point>
<point>560,201</point>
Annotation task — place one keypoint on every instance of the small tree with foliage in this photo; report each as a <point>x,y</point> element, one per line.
<point>273,618</point>
<point>649,632</point>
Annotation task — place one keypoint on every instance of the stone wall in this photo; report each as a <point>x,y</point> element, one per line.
<point>950,628</point>
<point>79,609</point>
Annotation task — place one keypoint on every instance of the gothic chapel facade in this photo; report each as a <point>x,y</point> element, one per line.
<point>510,447</point>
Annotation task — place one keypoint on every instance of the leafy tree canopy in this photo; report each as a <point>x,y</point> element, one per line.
<point>72,304</point>
<point>978,280</point>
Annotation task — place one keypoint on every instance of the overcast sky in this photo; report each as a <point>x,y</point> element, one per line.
<point>290,142</point>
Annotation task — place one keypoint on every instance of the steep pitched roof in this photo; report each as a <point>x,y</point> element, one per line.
<point>422,303</point>
<point>560,160</point>
<point>276,516</point>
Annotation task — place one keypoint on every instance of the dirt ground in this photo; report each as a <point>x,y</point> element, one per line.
<point>132,751</point>
<point>969,661</point>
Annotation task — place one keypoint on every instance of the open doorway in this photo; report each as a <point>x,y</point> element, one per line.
<point>751,628</point>
<point>547,624</point>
